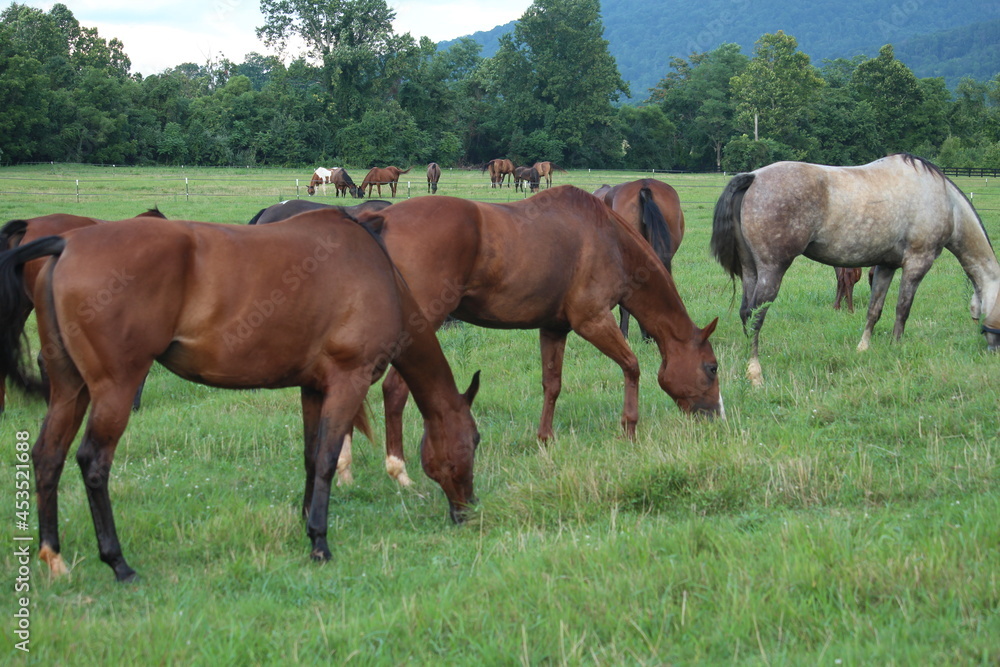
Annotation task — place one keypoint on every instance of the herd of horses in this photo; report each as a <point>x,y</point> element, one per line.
<point>499,169</point>
<point>330,299</point>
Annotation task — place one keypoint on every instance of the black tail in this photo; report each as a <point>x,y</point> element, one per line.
<point>12,233</point>
<point>655,227</point>
<point>726,222</point>
<point>253,220</point>
<point>15,306</point>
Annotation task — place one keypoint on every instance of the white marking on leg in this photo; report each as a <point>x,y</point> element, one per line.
<point>754,373</point>
<point>396,467</point>
<point>57,567</point>
<point>344,476</point>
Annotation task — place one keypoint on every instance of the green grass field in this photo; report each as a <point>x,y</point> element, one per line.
<point>843,514</point>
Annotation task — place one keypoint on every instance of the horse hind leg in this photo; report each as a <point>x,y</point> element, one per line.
<point>62,421</point>
<point>107,422</point>
<point>758,293</point>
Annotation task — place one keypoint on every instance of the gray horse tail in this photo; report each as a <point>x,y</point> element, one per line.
<point>657,231</point>
<point>726,233</point>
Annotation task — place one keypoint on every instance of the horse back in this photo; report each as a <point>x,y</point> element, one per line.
<point>218,307</point>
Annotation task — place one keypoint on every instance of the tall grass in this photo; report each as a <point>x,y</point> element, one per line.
<point>845,513</point>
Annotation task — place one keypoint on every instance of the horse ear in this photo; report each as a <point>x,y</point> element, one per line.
<point>707,331</point>
<point>470,393</point>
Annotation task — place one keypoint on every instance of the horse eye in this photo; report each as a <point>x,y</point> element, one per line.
<point>712,370</point>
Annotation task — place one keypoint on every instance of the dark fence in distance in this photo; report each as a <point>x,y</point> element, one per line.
<point>981,172</point>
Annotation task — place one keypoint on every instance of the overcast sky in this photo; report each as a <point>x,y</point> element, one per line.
<point>160,34</point>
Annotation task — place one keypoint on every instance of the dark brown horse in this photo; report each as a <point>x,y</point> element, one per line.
<point>313,303</point>
<point>654,209</point>
<point>545,170</point>
<point>286,209</point>
<point>558,262</point>
<point>379,176</point>
<point>899,212</point>
<point>18,232</point>
<point>499,169</point>
<point>527,175</point>
<point>433,176</point>
<point>343,183</point>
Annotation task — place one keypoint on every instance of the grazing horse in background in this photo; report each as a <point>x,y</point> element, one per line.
<point>343,183</point>
<point>433,176</point>
<point>654,209</point>
<point>377,177</point>
<point>558,261</point>
<point>313,303</point>
<point>286,209</point>
<point>545,170</point>
<point>321,177</point>
<point>847,278</point>
<point>527,175</point>
<point>18,232</point>
<point>499,169</point>
<point>897,212</point>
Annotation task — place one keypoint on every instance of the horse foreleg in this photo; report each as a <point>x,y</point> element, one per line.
<point>335,423</point>
<point>604,334</point>
<point>312,403</point>
<point>913,273</point>
<point>553,345</point>
<point>394,395</point>
<point>880,287</point>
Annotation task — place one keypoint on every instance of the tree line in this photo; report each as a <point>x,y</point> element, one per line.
<point>362,95</point>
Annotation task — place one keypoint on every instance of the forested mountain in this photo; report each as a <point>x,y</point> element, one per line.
<point>941,37</point>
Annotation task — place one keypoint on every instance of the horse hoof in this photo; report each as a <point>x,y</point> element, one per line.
<point>754,373</point>
<point>321,555</point>
<point>345,477</point>
<point>57,566</point>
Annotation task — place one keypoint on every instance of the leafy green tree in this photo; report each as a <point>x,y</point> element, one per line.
<point>361,57</point>
<point>894,94</point>
<point>775,89</point>
<point>697,97</point>
<point>555,73</point>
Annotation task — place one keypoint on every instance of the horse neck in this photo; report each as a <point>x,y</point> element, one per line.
<point>971,246</point>
<point>651,296</point>
<point>423,366</point>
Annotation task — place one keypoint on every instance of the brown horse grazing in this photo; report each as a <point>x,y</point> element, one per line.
<point>558,262</point>
<point>545,170</point>
<point>897,212</point>
<point>377,177</point>
<point>314,302</point>
<point>286,209</point>
<point>343,183</point>
<point>527,175</point>
<point>433,176</point>
<point>654,209</point>
<point>499,169</point>
<point>18,232</point>
<point>847,278</point>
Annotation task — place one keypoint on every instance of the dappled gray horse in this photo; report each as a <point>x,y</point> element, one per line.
<point>897,212</point>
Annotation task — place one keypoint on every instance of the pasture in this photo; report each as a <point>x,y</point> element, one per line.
<point>844,513</point>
